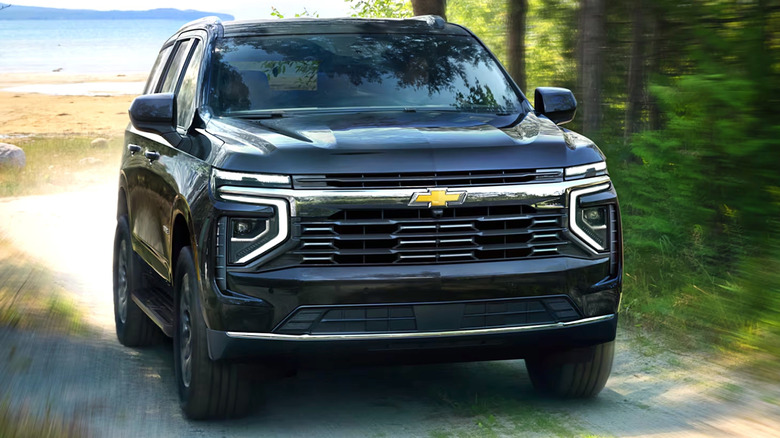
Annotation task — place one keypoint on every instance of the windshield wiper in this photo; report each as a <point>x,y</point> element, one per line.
<point>258,115</point>
<point>449,109</point>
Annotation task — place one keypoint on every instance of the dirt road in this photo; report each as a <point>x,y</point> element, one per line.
<point>116,391</point>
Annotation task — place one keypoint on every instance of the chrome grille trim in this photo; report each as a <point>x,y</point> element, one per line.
<point>419,335</point>
<point>314,202</point>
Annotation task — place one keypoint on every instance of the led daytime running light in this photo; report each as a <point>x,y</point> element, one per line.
<point>260,178</point>
<point>600,166</point>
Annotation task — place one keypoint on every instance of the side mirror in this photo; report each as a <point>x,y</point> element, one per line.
<point>557,104</point>
<point>155,113</point>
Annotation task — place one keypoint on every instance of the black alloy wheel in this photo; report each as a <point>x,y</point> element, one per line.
<point>207,389</point>
<point>133,327</point>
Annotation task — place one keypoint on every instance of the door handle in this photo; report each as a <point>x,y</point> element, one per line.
<point>152,155</point>
<point>133,148</point>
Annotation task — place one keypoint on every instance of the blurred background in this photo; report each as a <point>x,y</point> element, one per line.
<point>682,97</point>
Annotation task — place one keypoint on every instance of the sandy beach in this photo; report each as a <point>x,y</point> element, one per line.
<point>66,104</point>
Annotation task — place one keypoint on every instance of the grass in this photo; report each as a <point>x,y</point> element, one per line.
<point>498,411</point>
<point>57,164</point>
<point>691,300</point>
<point>499,416</point>
<point>700,309</point>
<point>30,299</point>
<point>20,422</point>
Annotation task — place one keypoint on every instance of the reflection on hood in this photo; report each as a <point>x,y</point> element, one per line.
<point>531,127</point>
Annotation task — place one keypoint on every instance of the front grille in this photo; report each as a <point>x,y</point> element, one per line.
<point>426,180</point>
<point>390,236</point>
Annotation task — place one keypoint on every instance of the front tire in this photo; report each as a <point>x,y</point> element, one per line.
<point>133,327</point>
<point>207,389</point>
<point>575,373</point>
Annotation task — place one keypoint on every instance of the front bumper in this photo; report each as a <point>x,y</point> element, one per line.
<point>260,302</point>
<point>417,347</point>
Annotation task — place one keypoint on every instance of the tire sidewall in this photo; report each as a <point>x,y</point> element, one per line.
<point>123,234</point>
<point>575,373</point>
<point>189,396</point>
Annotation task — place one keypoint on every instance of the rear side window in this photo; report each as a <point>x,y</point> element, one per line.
<point>185,99</point>
<point>159,66</point>
<point>174,70</point>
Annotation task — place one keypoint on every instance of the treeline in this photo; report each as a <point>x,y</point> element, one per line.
<point>684,98</point>
<point>16,12</point>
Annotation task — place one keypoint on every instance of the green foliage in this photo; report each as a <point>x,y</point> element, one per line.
<point>549,47</point>
<point>487,19</point>
<point>275,13</point>
<point>699,213</point>
<point>381,8</point>
<point>549,53</point>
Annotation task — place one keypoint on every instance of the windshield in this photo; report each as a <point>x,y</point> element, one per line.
<point>255,75</point>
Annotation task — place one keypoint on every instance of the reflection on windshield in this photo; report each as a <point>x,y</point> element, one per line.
<point>401,71</point>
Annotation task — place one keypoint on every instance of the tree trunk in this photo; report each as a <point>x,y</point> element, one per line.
<point>759,58</point>
<point>430,7</point>
<point>592,39</point>
<point>654,65</point>
<point>518,10</point>
<point>636,70</point>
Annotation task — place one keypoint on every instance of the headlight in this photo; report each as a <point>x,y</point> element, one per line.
<point>590,223</point>
<point>593,221</point>
<point>246,237</point>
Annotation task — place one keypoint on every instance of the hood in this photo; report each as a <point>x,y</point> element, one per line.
<point>396,142</point>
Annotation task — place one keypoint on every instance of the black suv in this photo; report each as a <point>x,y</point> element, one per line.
<point>362,191</point>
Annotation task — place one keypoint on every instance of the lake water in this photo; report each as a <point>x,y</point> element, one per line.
<point>82,46</point>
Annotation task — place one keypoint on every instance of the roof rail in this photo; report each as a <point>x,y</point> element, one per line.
<point>434,21</point>
<point>205,21</point>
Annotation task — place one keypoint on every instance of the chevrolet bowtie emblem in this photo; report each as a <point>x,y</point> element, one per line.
<point>438,198</point>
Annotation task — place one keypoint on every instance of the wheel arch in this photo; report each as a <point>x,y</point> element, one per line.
<point>122,204</point>
<point>181,236</point>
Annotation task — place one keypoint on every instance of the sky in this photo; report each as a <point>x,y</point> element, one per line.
<point>241,9</point>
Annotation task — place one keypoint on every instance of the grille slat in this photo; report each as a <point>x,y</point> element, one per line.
<point>550,218</point>
<point>423,180</point>
<point>441,235</point>
<point>388,236</point>
<point>442,249</point>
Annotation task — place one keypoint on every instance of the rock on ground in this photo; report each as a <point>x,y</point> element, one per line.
<point>12,156</point>
<point>99,143</point>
